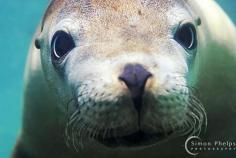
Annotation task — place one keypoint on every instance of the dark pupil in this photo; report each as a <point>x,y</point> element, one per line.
<point>62,44</point>
<point>186,36</point>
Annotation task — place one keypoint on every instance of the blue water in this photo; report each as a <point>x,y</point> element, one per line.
<point>18,20</point>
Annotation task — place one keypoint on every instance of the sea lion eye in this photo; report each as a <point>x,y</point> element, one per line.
<point>186,36</point>
<point>61,44</point>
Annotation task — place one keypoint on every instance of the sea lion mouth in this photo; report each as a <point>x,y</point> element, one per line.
<point>136,139</point>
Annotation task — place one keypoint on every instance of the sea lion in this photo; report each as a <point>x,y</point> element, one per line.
<point>125,79</point>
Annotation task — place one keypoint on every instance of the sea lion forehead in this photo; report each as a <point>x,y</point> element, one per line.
<point>62,8</point>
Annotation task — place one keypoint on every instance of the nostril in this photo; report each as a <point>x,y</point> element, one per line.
<point>135,78</point>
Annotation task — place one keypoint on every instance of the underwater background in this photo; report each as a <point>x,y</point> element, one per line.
<point>18,21</point>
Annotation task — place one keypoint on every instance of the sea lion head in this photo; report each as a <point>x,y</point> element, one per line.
<point>121,69</point>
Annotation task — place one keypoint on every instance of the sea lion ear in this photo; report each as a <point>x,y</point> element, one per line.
<point>198,21</point>
<point>37,41</point>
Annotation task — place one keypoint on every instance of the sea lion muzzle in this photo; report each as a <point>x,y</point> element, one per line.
<point>135,78</point>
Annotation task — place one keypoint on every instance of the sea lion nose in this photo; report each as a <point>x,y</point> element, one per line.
<point>135,77</point>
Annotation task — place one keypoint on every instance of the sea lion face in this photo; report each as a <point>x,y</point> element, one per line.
<point>121,68</point>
